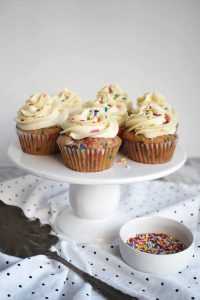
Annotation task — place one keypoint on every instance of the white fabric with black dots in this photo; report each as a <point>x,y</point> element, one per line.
<point>41,278</point>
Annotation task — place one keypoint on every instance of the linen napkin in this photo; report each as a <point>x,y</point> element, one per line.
<point>41,278</point>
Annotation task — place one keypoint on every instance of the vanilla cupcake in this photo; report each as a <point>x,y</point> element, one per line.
<point>89,141</point>
<point>150,136</point>
<point>38,124</point>
<point>69,100</point>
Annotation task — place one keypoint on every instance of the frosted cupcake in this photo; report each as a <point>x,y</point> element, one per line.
<point>89,141</point>
<point>69,100</point>
<point>38,124</point>
<point>150,136</point>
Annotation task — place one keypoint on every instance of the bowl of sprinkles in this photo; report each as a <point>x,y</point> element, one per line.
<point>156,245</point>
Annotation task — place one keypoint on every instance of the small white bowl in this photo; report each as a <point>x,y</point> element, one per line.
<point>156,263</point>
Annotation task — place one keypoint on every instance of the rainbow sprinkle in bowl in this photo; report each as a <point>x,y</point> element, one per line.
<point>173,243</point>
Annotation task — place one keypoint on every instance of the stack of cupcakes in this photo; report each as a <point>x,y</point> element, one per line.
<point>89,135</point>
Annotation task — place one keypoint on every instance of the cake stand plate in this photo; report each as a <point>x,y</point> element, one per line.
<point>94,197</point>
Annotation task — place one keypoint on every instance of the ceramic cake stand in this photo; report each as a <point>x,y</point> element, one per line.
<point>94,197</point>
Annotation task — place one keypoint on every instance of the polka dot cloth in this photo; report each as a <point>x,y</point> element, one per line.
<point>41,278</point>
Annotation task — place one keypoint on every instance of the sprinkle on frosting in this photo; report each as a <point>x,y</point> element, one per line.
<point>91,122</point>
<point>94,130</point>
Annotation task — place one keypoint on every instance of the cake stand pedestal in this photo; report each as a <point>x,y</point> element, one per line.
<point>94,197</point>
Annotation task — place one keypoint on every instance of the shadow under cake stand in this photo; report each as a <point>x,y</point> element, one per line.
<point>94,197</point>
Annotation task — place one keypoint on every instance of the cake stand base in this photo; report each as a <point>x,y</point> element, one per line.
<point>94,216</point>
<point>68,226</point>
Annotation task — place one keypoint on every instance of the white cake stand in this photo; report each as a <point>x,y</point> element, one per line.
<point>94,197</point>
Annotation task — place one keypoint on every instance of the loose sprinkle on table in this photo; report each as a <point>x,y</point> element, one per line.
<point>155,243</point>
<point>122,160</point>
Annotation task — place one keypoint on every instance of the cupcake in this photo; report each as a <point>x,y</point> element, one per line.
<point>38,125</point>
<point>69,100</point>
<point>150,136</point>
<point>89,141</point>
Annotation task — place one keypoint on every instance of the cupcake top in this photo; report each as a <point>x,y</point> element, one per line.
<point>151,120</point>
<point>40,111</point>
<point>156,98</point>
<point>116,110</point>
<point>114,92</point>
<point>69,100</point>
<point>90,123</point>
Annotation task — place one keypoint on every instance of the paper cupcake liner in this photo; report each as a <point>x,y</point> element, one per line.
<point>157,153</point>
<point>88,160</point>
<point>38,144</point>
<point>121,130</point>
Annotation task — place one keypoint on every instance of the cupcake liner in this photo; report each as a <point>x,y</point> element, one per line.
<point>37,143</point>
<point>88,160</point>
<point>121,130</point>
<point>120,134</point>
<point>150,153</point>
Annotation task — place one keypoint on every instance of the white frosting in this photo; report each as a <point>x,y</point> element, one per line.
<point>40,111</point>
<point>114,92</point>
<point>91,122</point>
<point>152,120</point>
<point>69,100</point>
<point>157,98</point>
<point>116,110</point>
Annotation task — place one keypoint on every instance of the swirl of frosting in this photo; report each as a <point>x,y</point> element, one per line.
<point>116,110</point>
<point>92,123</point>
<point>40,111</point>
<point>156,98</point>
<point>152,120</point>
<point>69,100</point>
<point>114,92</point>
